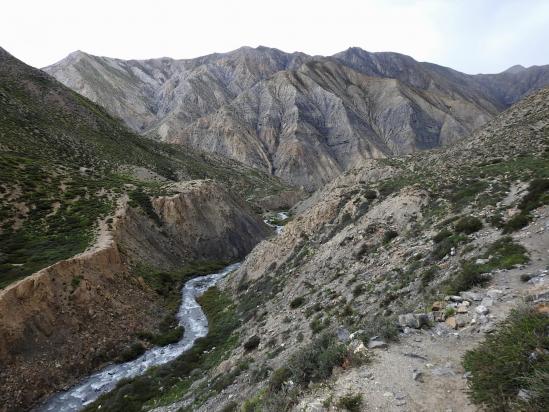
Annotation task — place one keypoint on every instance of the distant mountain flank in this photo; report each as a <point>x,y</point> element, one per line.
<point>299,117</point>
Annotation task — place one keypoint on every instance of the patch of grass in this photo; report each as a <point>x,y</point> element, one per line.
<point>502,254</point>
<point>537,195</point>
<point>468,225</point>
<point>350,402</point>
<point>382,326</point>
<point>440,236</point>
<point>319,323</point>
<point>444,247</point>
<point>513,358</point>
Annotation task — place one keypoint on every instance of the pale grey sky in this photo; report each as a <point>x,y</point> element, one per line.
<point>469,35</point>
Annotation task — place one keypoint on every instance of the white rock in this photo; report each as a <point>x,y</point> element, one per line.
<point>487,302</point>
<point>494,293</point>
<point>482,310</point>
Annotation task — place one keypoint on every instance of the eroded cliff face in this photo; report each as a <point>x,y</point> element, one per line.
<point>68,319</point>
<point>305,119</point>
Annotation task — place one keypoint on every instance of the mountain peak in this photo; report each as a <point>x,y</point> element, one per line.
<point>517,68</point>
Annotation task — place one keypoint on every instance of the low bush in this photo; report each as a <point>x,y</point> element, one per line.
<point>278,378</point>
<point>359,290</point>
<point>513,358</point>
<point>252,343</point>
<point>384,327</point>
<point>319,323</point>
<point>428,275</point>
<point>389,235</point>
<point>469,276</point>
<point>350,402</point>
<point>230,406</point>
<point>315,361</point>
<point>468,225</point>
<point>440,236</point>
<point>537,195</point>
<point>134,351</point>
<point>297,302</point>
<point>517,222</point>
<point>502,254</point>
<point>444,247</point>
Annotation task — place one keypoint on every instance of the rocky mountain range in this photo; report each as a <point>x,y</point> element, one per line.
<point>302,118</point>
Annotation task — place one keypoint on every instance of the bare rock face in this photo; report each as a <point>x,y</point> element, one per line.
<point>202,221</point>
<point>305,119</point>
<point>67,319</point>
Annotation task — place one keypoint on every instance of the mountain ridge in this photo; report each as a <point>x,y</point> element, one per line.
<point>240,105</point>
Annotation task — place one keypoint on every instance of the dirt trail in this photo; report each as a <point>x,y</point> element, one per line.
<point>423,372</point>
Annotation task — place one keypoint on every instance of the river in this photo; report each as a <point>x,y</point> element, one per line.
<point>190,316</point>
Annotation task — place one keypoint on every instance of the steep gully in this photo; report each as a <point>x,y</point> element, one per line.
<point>190,317</point>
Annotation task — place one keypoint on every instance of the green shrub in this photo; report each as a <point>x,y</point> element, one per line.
<point>319,323</point>
<point>428,275</point>
<point>538,195</point>
<point>230,406</point>
<point>468,225</point>
<point>370,194</point>
<point>358,290</point>
<point>503,253</point>
<point>470,275</point>
<point>509,360</point>
<point>389,235</point>
<point>440,236</point>
<point>449,311</point>
<point>384,327</point>
<point>297,302</point>
<point>134,351</point>
<point>278,378</point>
<point>445,246</point>
<point>315,361</point>
<point>517,222</point>
<point>350,402</point>
<point>252,343</point>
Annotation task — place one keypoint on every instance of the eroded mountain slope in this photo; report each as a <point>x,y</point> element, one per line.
<point>305,119</point>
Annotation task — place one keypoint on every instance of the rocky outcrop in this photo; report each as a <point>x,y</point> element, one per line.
<point>201,221</point>
<point>67,319</point>
<point>305,119</point>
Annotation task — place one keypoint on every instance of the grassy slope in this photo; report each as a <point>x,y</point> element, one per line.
<point>60,158</point>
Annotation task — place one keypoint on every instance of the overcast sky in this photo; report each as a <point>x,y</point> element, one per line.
<point>473,36</point>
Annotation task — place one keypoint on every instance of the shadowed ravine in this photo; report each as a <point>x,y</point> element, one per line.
<point>190,316</point>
